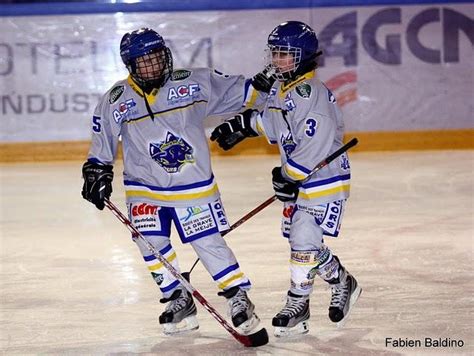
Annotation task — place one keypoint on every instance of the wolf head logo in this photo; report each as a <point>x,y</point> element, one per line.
<point>288,144</point>
<point>172,154</point>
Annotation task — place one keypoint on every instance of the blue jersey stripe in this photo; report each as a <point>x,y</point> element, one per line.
<point>300,167</point>
<point>248,82</point>
<point>326,181</point>
<point>154,233</point>
<point>175,188</point>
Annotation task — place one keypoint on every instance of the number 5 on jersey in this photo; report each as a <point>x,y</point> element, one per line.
<point>96,126</point>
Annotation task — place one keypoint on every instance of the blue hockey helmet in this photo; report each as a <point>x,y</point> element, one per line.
<point>293,38</point>
<point>146,57</point>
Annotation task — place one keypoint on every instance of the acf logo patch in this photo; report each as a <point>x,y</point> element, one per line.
<point>116,93</point>
<point>180,74</point>
<point>124,110</point>
<point>303,90</point>
<point>172,154</point>
<point>183,91</point>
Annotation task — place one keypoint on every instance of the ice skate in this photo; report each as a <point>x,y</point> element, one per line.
<point>180,313</point>
<point>241,310</point>
<point>293,318</point>
<point>345,292</point>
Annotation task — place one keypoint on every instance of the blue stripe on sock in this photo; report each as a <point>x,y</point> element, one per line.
<point>224,272</point>
<point>169,287</point>
<point>162,252</point>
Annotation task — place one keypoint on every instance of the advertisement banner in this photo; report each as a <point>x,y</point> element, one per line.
<point>392,68</point>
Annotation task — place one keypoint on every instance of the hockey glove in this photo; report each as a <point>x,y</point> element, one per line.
<point>264,80</point>
<point>285,190</point>
<point>234,130</point>
<point>97,183</point>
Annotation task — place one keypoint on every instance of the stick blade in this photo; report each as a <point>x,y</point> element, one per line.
<point>259,338</point>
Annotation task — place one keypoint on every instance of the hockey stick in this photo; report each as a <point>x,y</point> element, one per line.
<point>267,202</point>
<point>257,339</point>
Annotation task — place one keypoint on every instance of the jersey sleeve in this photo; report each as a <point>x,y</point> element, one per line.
<point>105,134</point>
<point>262,125</point>
<point>253,99</point>
<point>230,94</point>
<point>315,135</point>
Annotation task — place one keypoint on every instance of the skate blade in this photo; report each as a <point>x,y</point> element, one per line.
<point>187,324</point>
<point>246,327</point>
<point>299,329</point>
<point>354,297</point>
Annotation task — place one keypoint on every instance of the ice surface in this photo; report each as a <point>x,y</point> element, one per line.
<point>72,281</point>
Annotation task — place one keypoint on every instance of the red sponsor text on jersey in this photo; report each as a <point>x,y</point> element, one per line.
<point>144,209</point>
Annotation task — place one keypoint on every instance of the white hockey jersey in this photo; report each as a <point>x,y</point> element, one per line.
<point>166,157</point>
<point>306,123</point>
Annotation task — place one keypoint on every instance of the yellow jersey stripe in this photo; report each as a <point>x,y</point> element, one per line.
<point>322,193</point>
<point>260,129</point>
<point>157,196</point>
<point>161,113</point>
<point>293,174</point>
<point>253,98</point>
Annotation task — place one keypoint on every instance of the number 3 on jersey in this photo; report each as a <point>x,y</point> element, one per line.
<point>311,125</point>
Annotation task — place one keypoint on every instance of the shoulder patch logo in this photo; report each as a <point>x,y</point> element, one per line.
<point>116,93</point>
<point>303,90</point>
<point>180,74</point>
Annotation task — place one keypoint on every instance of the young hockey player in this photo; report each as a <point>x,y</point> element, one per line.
<point>159,114</point>
<point>302,117</point>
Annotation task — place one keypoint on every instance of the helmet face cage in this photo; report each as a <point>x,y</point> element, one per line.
<point>296,43</point>
<point>146,57</point>
<point>284,60</point>
<point>153,69</point>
